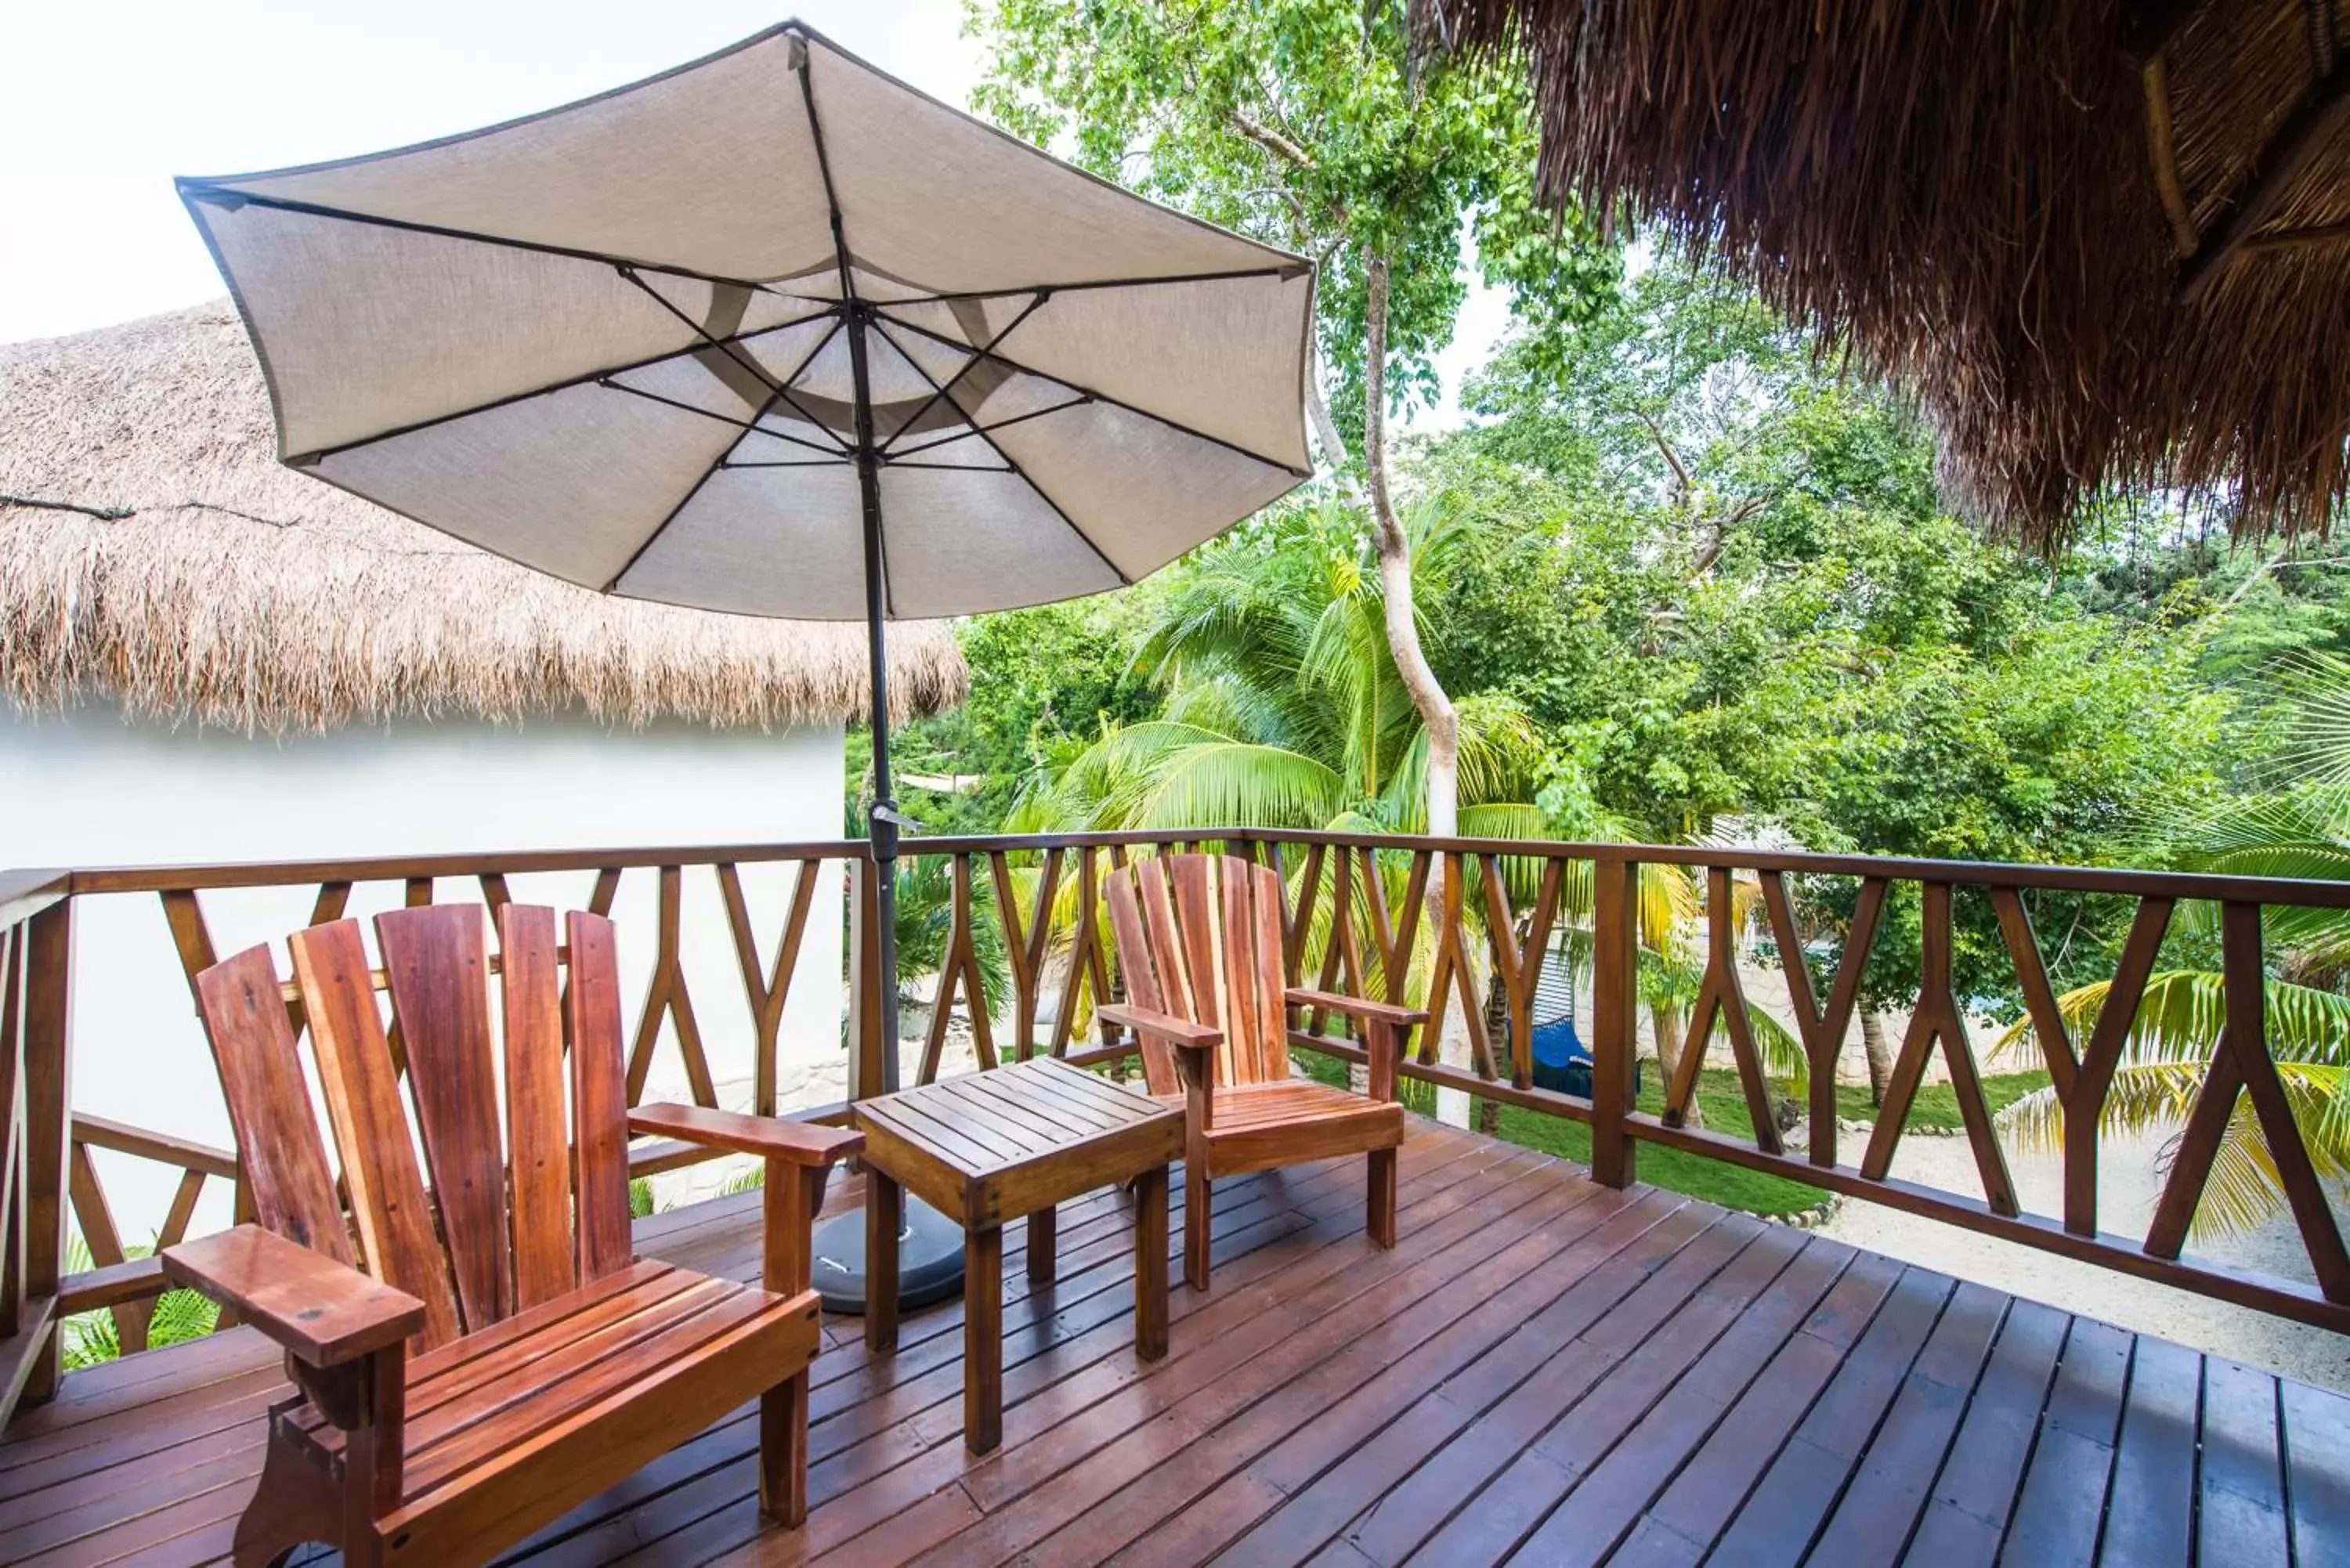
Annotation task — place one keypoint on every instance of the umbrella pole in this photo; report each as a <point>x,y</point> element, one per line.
<point>881,821</point>
<point>930,1246</point>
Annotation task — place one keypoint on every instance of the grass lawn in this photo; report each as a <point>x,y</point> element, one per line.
<point>1723,1105</point>
<point>1936,1106</point>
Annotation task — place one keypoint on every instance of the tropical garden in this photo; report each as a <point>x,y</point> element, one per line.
<point>1677,573</point>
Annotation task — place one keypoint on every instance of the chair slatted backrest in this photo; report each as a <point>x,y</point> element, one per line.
<point>1199,936</point>
<point>485,1226</point>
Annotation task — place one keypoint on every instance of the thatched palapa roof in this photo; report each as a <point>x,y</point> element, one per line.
<point>170,562</point>
<point>2105,242</point>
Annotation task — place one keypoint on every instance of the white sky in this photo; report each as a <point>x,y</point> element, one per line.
<point>108,99</point>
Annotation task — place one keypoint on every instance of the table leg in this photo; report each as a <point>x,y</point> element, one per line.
<point>983,1339</point>
<point>1041,1229</point>
<point>1151,1264</point>
<point>885,1208</point>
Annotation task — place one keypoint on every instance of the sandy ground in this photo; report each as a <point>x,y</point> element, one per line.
<point>2126,1190</point>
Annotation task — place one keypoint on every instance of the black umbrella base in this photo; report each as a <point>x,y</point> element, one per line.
<point>929,1259</point>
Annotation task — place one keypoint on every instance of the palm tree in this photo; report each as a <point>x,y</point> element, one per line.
<point>2303,831</point>
<point>1284,709</point>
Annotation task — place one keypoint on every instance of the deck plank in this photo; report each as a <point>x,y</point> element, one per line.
<point>1873,1521</point>
<point>2317,1463</point>
<point>2150,1513</point>
<point>2062,1505</point>
<point>2239,1515</point>
<point>1542,1370</point>
<point>1965,1518</point>
<point>1782,1515</point>
<point>1607,1505</point>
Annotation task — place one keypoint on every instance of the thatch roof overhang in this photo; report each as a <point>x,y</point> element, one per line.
<point>155,553</point>
<point>2105,243</point>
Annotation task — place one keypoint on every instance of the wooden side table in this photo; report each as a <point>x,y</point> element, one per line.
<point>988,1147</point>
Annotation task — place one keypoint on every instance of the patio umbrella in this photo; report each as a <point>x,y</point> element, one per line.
<point>772,334</point>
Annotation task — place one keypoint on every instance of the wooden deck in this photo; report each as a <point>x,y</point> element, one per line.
<point>1544,1371</point>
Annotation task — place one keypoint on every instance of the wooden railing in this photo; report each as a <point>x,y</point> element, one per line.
<point>1362,918</point>
<point>1447,922</point>
<point>36,942</point>
<point>763,962</point>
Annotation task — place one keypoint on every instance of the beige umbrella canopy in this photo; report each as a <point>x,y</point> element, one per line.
<point>774,334</point>
<point>620,342</point>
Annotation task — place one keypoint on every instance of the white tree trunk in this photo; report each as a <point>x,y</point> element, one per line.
<point>1428,695</point>
<point>1436,715</point>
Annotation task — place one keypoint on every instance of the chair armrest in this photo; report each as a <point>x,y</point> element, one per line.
<point>799,1143</point>
<point>1356,1007</point>
<point>1194,1062</point>
<point>1164,1025</point>
<point>323,1312</point>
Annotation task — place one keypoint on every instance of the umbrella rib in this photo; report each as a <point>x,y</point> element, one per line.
<point>882,325</point>
<point>582,378</point>
<point>972,430</point>
<point>1293,269</point>
<point>789,463</point>
<point>978,356</point>
<point>716,463</point>
<point>869,457</point>
<point>1101,396</point>
<point>744,425</point>
<point>781,388</point>
<point>682,503</point>
<point>227,196</point>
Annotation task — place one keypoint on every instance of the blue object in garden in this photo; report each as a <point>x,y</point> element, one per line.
<point>1561,1061</point>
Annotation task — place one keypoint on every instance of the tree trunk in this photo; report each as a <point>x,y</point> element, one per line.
<point>1436,715</point>
<point>1880,1059</point>
<point>1497,1031</point>
<point>1670,1025</point>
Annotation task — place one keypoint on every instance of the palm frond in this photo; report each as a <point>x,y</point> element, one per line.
<point>1218,783</point>
<point>2152,1096</point>
<point>2317,684</point>
<point>2182,1014</point>
<point>1499,759</point>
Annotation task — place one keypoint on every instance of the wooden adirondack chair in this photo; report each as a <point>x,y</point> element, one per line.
<point>1200,945</point>
<point>475,1347</point>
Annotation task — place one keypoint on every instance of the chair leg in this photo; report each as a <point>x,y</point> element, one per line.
<point>294,1505</point>
<point>1196,1219</point>
<point>783,1451</point>
<point>1381,1200</point>
<point>983,1339</point>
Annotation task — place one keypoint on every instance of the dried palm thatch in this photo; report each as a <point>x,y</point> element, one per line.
<point>153,551</point>
<point>2106,244</point>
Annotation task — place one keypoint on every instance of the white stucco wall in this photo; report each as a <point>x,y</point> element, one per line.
<point>89,789</point>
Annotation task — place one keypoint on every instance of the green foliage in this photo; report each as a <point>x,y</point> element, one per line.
<point>1935,1107</point>
<point>925,921</point>
<point>1722,584</point>
<point>641,1197</point>
<point>1684,581</point>
<point>1308,124</point>
<point>1044,683</point>
<point>1282,708</point>
<point>89,1337</point>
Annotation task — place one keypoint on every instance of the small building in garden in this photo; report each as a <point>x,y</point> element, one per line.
<point>206,655</point>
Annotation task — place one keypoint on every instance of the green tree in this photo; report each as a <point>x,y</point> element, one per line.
<point>1731,594</point>
<point>1282,705</point>
<point>1312,124</point>
<point>1044,683</point>
<point>2302,833</point>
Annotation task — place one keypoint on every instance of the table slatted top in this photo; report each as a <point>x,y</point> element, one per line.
<point>981,1123</point>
